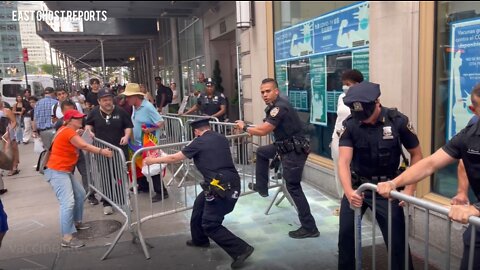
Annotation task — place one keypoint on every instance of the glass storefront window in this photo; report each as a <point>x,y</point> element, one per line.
<point>311,56</point>
<point>457,71</point>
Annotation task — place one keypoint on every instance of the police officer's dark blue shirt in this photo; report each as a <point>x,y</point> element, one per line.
<point>466,146</point>
<point>376,149</point>
<point>211,106</point>
<point>285,119</point>
<point>211,155</point>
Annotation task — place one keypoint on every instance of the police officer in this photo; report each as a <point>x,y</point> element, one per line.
<point>212,157</point>
<point>292,148</point>
<point>211,102</point>
<point>370,148</point>
<point>464,146</point>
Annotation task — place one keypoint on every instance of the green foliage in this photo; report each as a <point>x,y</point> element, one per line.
<point>217,77</point>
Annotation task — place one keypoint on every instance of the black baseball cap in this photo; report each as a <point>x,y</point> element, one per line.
<point>104,92</point>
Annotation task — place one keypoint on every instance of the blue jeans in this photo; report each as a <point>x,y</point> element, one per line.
<point>71,195</point>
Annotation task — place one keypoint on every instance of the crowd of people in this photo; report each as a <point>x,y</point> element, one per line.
<point>367,147</point>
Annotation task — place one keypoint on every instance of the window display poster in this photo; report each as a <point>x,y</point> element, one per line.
<point>318,110</point>
<point>281,75</point>
<point>343,29</point>
<point>360,62</point>
<point>464,73</point>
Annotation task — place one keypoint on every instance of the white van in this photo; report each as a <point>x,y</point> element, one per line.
<point>11,87</point>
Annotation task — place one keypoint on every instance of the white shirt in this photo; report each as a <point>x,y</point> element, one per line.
<point>342,113</point>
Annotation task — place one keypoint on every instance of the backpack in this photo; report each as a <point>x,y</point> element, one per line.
<point>168,95</point>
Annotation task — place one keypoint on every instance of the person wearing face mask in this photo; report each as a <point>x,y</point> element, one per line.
<point>370,147</point>
<point>349,78</point>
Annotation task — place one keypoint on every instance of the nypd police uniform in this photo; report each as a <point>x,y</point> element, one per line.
<point>376,156</point>
<point>210,105</point>
<point>466,146</point>
<point>212,157</point>
<point>293,149</point>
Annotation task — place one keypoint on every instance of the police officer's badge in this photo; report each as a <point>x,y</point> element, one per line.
<point>387,133</point>
<point>341,131</point>
<point>411,128</point>
<point>274,111</point>
<point>357,106</point>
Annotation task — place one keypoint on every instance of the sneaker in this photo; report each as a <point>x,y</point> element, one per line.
<point>73,243</point>
<point>92,200</point>
<point>81,226</point>
<point>304,233</point>
<point>238,261</point>
<point>3,191</point>
<point>253,186</point>
<point>190,243</point>
<point>107,210</point>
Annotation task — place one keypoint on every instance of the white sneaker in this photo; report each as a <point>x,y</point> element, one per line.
<point>107,210</point>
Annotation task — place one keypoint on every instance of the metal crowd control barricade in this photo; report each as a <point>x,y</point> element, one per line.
<point>174,132</point>
<point>181,197</point>
<point>428,206</point>
<point>108,177</point>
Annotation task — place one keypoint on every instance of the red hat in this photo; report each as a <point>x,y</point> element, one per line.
<point>72,114</point>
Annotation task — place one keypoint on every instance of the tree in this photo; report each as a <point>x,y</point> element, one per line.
<point>217,77</point>
<point>47,68</point>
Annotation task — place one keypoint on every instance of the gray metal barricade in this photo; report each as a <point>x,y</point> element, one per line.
<point>186,117</point>
<point>428,206</point>
<point>183,196</point>
<point>108,177</point>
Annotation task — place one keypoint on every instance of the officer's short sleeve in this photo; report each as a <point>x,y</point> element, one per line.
<point>345,134</point>
<point>222,100</point>
<point>454,146</point>
<point>276,115</point>
<point>199,100</point>
<point>191,149</point>
<point>407,133</point>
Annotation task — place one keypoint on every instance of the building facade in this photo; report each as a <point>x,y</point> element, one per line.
<point>10,43</point>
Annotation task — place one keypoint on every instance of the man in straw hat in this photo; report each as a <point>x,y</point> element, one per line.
<point>146,120</point>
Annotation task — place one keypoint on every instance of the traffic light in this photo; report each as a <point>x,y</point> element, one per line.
<point>25,54</point>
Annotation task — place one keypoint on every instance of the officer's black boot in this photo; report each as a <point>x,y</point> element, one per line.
<point>253,186</point>
<point>304,233</point>
<point>238,261</point>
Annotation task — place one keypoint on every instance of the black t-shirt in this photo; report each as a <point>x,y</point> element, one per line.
<point>285,119</point>
<point>376,149</point>
<point>113,129</point>
<point>466,146</point>
<point>163,90</point>
<point>92,98</point>
<point>211,155</point>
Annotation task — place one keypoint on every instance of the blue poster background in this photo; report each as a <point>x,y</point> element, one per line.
<point>464,73</point>
<point>343,29</point>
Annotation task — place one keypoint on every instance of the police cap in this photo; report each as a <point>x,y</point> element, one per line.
<point>364,92</point>
<point>200,123</point>
<point>209,82</point>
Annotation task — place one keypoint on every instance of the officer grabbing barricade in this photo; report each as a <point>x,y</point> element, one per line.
<point>210,152</point>
<point>371,142</point>
<point>292,148</point>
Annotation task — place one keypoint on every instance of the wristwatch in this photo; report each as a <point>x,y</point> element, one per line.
<point>245,128</point>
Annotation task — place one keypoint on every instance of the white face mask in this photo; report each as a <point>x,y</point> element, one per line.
<point>345,88</point>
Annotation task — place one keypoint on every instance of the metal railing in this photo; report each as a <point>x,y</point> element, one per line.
<point>108,177</point>
<point>428,206</point>
<point>181,197</point>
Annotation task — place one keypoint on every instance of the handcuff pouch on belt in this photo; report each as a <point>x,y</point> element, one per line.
<point>217,187</point>
<point>297,144</point>
<point>275,164</point>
